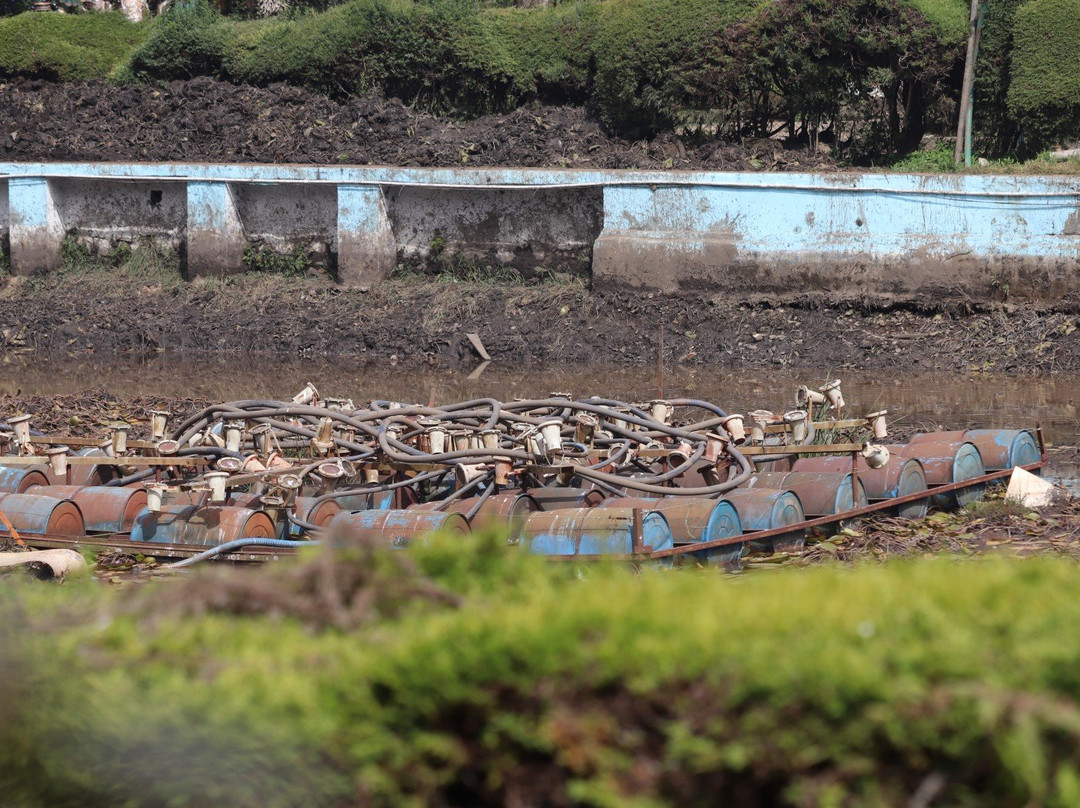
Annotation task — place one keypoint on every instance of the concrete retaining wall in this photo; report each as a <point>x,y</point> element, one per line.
<point>662,230</point>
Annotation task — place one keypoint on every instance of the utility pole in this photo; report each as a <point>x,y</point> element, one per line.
<point>963,124</point>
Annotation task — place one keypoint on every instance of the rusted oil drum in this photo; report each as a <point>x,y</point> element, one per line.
<point>397,528</point>
<point>104,510</point>
<point>764,509</point>
<point>897,478</point>
<point>209,525</point>
<point>821,493</point>
<point>17,479</point>
<point>1005,448</point>
<point>33,514</point>
<point>593,532</point>
<point>377,501</point>
<point>695,519</point>
<point>499,511</point>
<point>557,498</point>
<point>944,462</point>
<point>302,508</point>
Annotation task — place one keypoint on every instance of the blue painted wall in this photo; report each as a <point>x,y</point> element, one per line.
<point>899,232</point>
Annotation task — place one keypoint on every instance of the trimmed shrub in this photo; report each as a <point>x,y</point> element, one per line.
<point>67,46</point>
<point>1044,92</point>
<point>463,673</point>
<point>190,39</point>
<point>644,50</point>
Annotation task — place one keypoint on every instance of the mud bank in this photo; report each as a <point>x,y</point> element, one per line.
<point>214,121</point>
<point>426,322</point>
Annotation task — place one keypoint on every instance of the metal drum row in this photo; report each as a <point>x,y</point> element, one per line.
<point>553,520</point>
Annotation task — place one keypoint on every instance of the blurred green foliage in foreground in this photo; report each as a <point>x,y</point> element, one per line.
<point>463,674</point>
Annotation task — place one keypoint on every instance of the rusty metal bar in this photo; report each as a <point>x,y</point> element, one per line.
<point>31,460</point>
<point>52,440</point>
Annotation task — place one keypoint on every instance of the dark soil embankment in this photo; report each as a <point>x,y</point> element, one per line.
<point>104,313</point>
<point>214,121</point>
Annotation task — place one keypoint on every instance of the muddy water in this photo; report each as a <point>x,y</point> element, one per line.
<point>936,399</point>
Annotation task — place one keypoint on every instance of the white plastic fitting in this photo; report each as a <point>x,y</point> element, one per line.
<point>234,432</point>
<point>661,411</point>
<point>20,425</point>
<point>58,457</point>
<point>156,494</point>
<point>805,397</point>
<point>216,481</point>
<point>437,437</point>
<point>733,425</point>
<point>876,421</point>
<point>876,456</point>
<point>585,428</point>
<point>306,396</point>
<point>759,419</point>
<point>159,423</point>
<point>323,442</point>
<point>796,421</point>
<point>465,473</point>
<point>264,438</point>
<point>832,392</point>
<point>119,438</point>
<point>551,432</point>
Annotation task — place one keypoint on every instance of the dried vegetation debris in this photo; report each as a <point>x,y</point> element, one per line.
<point>208,120</point>
<point>95,410</point>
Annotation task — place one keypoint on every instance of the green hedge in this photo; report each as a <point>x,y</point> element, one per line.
<point>1044,92</point>
<point>63,46</point>
<point>463,674</point>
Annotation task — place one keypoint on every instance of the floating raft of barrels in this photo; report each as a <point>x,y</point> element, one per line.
<point>677,480</point>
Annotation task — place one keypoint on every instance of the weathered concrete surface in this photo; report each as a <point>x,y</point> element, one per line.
<point>366,248</point>
<point>104,212</point>
<point>215,234</point>
<point>35,230</point>
<point>900,233</point>
<point>522,228</point>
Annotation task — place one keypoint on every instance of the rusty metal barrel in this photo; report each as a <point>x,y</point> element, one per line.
<point>397,528</point>
<point>29,513</point>
<point>506,511</point>
<point>555,498</point>
<point>17,479</point>
<point>371,501</point>
<point>764,509</point>
<point>209,525</point>
<point>999,448</point>
<point>104,510</point>
<point>593,532</point>
<point>947,461</point>
<point>693,520</point>
<point>897,478</point>
<point>821,493</point>
<point>304,509</point>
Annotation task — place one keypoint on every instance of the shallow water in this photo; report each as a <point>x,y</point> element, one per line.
<point>946,400</point>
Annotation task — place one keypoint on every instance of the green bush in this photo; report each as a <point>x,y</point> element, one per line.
<point>66,46</point>
<point>642,49</point>
<point>1044,92</point>
<point>190,39</point>
<point>465,674</point>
